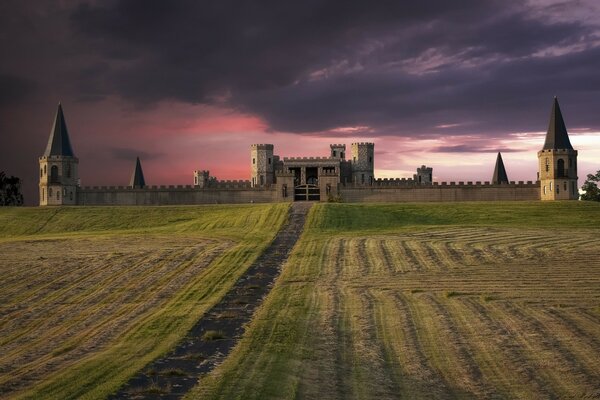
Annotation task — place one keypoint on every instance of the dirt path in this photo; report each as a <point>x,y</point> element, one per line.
<point>216,333</point>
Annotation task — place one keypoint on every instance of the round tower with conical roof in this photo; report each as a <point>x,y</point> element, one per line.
<point>558,161</point>
<point>58,166</point>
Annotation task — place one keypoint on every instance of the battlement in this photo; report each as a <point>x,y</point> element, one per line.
<point>395,182</point>
<point>226,184</point>
<point>232,184</point>
<point>363,144</point>
<point>262,146</point>
<point>310,159</point>
<point>337,145</point>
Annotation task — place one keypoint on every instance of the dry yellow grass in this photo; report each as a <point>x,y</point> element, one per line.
<point>427,312</point>
<point>88,296</point>
<point>66,298</point>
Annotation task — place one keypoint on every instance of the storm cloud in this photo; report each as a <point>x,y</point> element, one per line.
<point>312,66</point>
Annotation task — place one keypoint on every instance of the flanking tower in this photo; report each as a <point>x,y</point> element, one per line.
<point>338,151</point>
<point>558,161</point>
<point>262,164</point>
<point>58,166</point>
<point>424,175</point>
<point>363,160</point>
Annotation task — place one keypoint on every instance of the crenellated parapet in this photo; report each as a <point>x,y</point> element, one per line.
<point>262,146</point>
<point>403,182</point>
<point>292,159</point>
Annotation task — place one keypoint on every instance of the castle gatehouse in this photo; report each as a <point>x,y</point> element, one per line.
<point>340,176</point>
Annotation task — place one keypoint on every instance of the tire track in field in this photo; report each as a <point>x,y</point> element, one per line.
<point>95,328</point>
<point>388,264</point>
<point>337,319</point>
<point>85,299</point>
<point>584,349</point>
<point>548,343</point>
<point>412,261</point>
<point>417,362</point>
<point>365,266</point>
<point>374,379</point>
<point>465,361</point>
<point>505,345</point>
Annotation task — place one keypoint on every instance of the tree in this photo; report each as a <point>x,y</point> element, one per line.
<point>10,191</point>
<point>590,187</point>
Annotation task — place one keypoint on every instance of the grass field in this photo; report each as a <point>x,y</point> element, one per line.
<point>421,301</point>
<point>89,295</point>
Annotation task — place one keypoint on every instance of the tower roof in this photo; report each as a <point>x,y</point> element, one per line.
<point>557,136</point>
<point>499,172</point>
<point>137,178</point>
<point>59,143</point>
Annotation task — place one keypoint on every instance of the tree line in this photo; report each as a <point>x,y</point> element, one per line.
<point>10,190</point>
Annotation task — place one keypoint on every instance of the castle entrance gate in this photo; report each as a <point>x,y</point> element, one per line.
<point>307,193</point>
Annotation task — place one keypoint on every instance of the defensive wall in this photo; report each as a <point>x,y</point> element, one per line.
<point>392,191</point>
<point>383,190</point>
<point>222,193</point>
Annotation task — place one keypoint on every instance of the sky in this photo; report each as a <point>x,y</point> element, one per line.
<point>188,85</point>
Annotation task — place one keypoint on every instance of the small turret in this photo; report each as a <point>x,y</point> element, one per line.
<point>424,175</point>
<point>338,151</point>
<point>137,180</point>
<point>499,172</point>
<point>262,164</point>
<point>201,179</point>
<point>59,176</point>
<point>363,161</point>
<point>558,161</point>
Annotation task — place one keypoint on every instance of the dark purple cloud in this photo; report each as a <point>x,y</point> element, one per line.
<point>311,66</point>
<point>374,69</point>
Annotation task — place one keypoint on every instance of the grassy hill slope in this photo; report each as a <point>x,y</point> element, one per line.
<point>422,301</point>
<point>89,295</point>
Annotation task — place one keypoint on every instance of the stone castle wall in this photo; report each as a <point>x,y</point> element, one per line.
<point>441,192</point>
<point>232,192</point>
<point>241,192</point>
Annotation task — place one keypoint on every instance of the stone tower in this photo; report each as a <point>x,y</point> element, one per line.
<point>338,151</point>
<point>262,164</point>
<point>424,175</point>
<point>137,180</point>
<point>58,166</point>
<point>499,172</point>
<point>201,178</point>
<point>558,161</point>
<point>363,160</point>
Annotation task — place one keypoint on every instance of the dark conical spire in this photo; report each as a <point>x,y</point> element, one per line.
<point>137,178</point>
<point>557,136</point>
<point>499,172</point>
<point>58,143</point>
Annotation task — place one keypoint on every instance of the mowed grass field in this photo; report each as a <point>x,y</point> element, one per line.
<point>428,301</point>
<point>89,295</point>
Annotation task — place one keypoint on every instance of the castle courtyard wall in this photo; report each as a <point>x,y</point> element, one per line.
<point>441,192</point>
<point>174,196</point>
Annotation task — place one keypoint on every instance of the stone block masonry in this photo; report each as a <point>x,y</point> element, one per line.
<point>441,193</point>
<point>113,195</point>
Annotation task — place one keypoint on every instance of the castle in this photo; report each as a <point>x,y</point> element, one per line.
<point>336,177</point>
